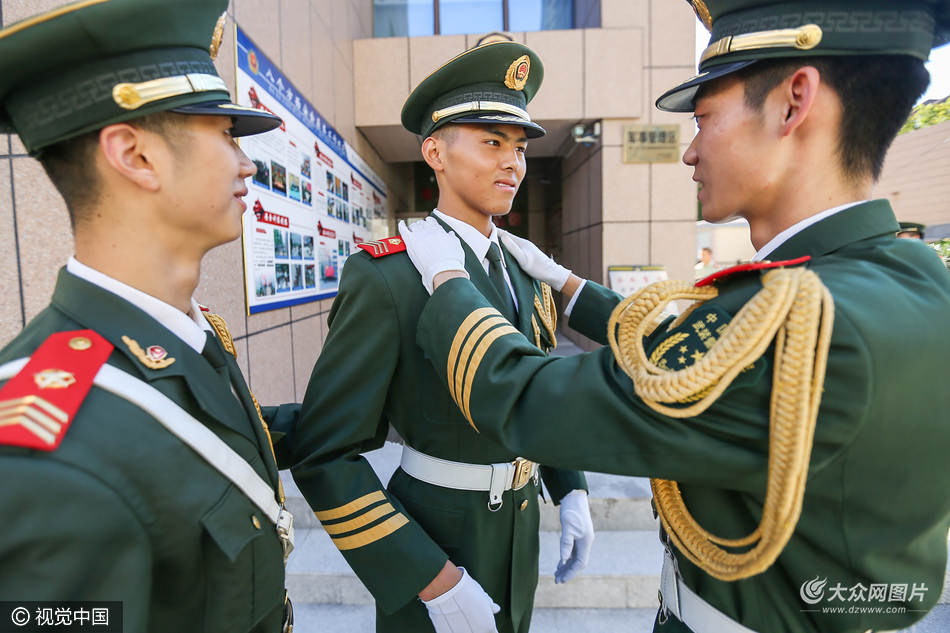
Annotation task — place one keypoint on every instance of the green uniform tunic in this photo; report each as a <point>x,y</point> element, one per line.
<point>877,501</point>
<point>123,510</point>
<point>372,373</point>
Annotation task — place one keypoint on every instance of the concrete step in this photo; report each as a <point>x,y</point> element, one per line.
<point>623,573</point>
<point>319,618</point>
<point>313,618</point>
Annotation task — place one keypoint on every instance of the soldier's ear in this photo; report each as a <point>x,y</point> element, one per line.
<point>133,154</point>
<point>433,150</point>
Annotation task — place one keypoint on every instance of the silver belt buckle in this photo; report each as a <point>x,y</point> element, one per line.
<point>522,473</point>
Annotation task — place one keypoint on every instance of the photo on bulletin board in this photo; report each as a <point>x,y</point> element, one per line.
<point>626,280</point>
<point>292,254</point>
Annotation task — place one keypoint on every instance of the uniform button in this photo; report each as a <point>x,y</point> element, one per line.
<point>256,522</point>
<point>80,344</point>
<point>524,504</point>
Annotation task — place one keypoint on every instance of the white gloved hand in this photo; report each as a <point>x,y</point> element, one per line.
<point>534,262</point>
<point>465,608</point>
<point>577,536</point>
<point>432,250</point>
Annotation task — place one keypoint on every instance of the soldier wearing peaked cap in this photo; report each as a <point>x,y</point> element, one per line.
<point>137,465</point>
<point>911,230</point>
<point>459,500</point>
<point>798,489</point>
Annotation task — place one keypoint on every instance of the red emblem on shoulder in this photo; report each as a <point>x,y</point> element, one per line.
<point>741,268</point>
<point>38,404</point>
<point>381,248</point>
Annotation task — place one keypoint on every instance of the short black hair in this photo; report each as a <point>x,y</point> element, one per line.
<point>877,93</point>
<point>71,164</point>
<point>448,132</point>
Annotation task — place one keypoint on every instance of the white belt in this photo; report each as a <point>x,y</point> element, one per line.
<point>689,608</point>
<point>493,478</point>
<point>196,435</point>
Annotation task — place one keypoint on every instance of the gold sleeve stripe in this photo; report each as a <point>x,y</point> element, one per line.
<point>351,507</point>
<point>371,535</point>
<point>473,364</point>
<point>365,519</point>
<point>460,335</point>
<point>459,369</point>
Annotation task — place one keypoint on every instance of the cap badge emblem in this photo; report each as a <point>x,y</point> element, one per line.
<point>702,12</point>
<point>218,35</point>
<point>155,357</point>
<point>517,75</point>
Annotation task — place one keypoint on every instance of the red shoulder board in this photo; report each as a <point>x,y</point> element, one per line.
<point>39,403</point>
<point>728,272</point>
<point>381,248</point>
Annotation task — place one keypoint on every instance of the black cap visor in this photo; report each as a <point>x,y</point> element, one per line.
<point>247,121</point>
<point>682,98</point>
<point>531,129</point>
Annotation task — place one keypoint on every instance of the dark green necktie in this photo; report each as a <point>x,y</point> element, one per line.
<point>214,354</point>
<point>497,275</point>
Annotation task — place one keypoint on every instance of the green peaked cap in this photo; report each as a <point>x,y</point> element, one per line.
<point>491,83</point>
<point>93,63</point>
<point>745,31</point>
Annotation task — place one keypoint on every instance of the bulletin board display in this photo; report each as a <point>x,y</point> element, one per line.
<point>626,280</point>
<point>312,200</point>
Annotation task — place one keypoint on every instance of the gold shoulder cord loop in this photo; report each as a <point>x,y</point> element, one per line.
<point>221,329</point>
<point>796,310</point>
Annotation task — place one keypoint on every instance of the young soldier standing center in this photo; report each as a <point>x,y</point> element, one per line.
<point>459,500</point>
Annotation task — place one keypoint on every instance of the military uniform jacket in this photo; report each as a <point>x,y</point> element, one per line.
<point>123,510</point>
<point>877,499</point>
<point>372,373</point>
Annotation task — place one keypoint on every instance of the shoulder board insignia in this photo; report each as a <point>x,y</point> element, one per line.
<point>38,404</point>
<point>381,248</point>
<point>719,275</point>
<point>204,308</point>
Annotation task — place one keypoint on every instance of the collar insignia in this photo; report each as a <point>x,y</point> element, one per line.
<point>153,358</point>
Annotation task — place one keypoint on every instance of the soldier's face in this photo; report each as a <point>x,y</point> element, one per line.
<point>210,181</point>
<point>730,154</point>
<point>485,165</point>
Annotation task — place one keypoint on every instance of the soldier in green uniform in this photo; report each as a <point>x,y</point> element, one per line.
<point>911,230</point>
<point>459,499</point>
<point>136,464</point>
<point>799,488</point>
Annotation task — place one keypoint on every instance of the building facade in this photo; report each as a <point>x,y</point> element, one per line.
<point>356,61</point>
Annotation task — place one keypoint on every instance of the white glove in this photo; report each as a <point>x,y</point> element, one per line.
<point>432,250</point>
<point>577,536</point>
<point>465,608</point>
<point>534,262</point>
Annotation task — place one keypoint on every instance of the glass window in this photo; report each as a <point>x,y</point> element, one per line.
<point>540,15</point>
<point>470,16</point>
<point>399,18</point>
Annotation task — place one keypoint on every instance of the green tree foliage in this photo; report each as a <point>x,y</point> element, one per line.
<point>943,249</point>
<point>927,114</point>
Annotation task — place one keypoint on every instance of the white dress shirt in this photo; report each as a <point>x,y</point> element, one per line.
<point>479,245</point>
<point>795,229</point>
<point>190,328</point>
